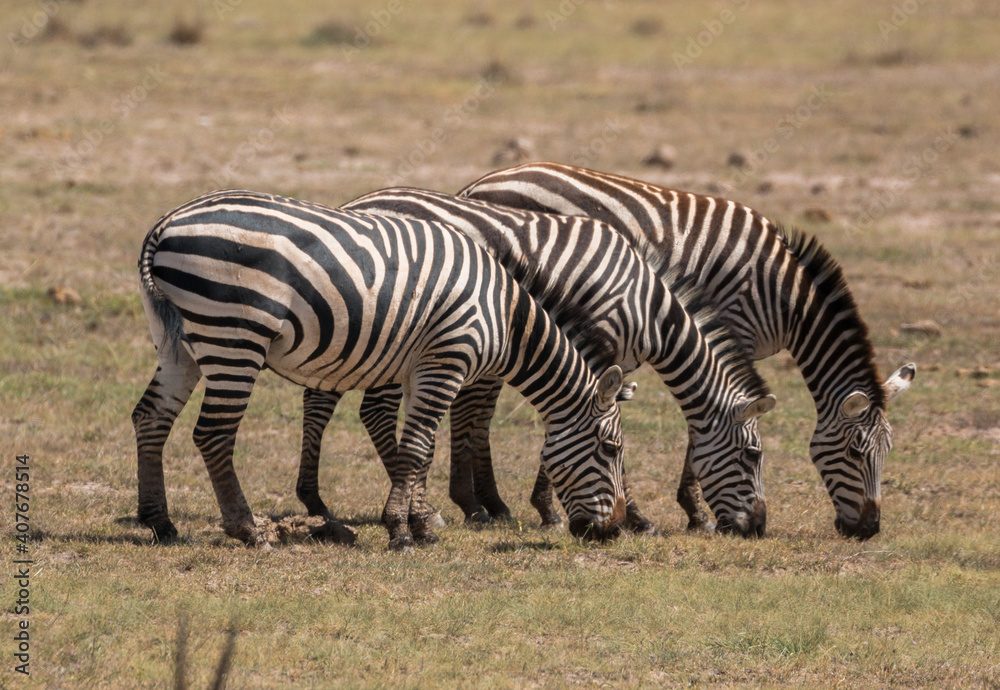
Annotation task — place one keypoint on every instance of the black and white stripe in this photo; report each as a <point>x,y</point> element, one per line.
<point>776,290</point>
<point>583,267</point>
<point>335,300</point>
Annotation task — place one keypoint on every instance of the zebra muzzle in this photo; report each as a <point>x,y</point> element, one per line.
<point>867,525</point>
<point>600,530</point>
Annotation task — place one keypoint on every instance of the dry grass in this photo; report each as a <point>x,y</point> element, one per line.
<point>94,147</point>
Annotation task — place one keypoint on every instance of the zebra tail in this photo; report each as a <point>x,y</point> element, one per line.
<point>165,310</point>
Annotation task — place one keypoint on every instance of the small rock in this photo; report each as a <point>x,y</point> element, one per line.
<point>817,215</point>
<point>736,160</point>
<point>514,151</point>
<point>765,187</point>
<point>525,21</point>
<point>927,327</point>
<point>663,156</point>
<point>968,132</point>
<point>817,188</point>
<point>62,295</point>
<point>497,72</point>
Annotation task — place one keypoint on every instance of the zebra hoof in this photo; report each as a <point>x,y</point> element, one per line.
<point>164,535</point>
<point>426,539</point>
<point>644,528</point>
<point>478,519</point>
<point>435,521</point>
<point>551,523</point>
<point>502,516</point>
<point>402,544</point>
<point>701,527</point>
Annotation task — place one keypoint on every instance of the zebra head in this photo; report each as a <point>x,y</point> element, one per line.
<point>583,458</point>
<point>725,456</point>
<point>849,449</point>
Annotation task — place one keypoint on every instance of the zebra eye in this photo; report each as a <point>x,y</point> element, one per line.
<point>609,448</point>
<point>752,455</point>
<point>854,454</point>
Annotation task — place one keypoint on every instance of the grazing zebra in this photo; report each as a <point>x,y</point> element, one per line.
<point>333,300</point>
<point>580,265</point>
<point>777,291</point>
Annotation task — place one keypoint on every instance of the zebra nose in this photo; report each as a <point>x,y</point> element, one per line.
<point>757,523</point>
<point>600,530</point>
<point>868,522</point>
<point>746,524</point>
<point>618,512</point>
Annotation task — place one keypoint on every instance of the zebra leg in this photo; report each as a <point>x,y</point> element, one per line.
<point>483,479</point>
<point>541,499</point>
<point>635,521</point>
<point>689,498</point>
<point>473,486</point>
<point>379,413</point>
<point>424,411</point>
<point>153,417</point>
<point>215,436</point>
<point>423,517</point>
<point>317,408</point>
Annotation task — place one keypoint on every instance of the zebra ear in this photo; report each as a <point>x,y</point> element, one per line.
<point>899,381</point>
<point>755,408</point>
<point>854,404</point>
<point>608,386</point>
<point>627,391</point>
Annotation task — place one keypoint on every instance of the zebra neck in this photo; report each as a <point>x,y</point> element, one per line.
<point>540,363</point>
<point>686,363</point>
<point>830,345</point>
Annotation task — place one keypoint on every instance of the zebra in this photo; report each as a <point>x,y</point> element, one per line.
<point>234,281</point>
<point>777,289</point>
<point>581,264</point>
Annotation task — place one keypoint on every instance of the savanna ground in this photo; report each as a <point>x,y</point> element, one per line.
<point>884,137</point>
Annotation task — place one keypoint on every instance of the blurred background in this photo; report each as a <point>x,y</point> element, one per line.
<point>841,117</point>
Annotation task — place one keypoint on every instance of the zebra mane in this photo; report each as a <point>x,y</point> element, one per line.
<point>574,321</point>
<point>827,276</point>
<point>730,354</point>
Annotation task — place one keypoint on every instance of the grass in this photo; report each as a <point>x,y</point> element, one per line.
<point>269,97</point>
